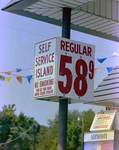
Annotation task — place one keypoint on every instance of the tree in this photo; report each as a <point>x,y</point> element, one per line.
<point>7,117</point>
<point>88,118</point>
<point>20,132</point>
<point>74,130</point>
<point>73,136</point>
<point>2,78</point>
<point>16,131</point>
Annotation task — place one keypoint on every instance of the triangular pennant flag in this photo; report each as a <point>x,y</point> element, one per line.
<point>19,79</point>
<point>109,69</point>
<point>8,80</point>
<point>1,73</point>
<point>8,73</point>
<point>115,54</point>
<point>101,60</point>
<point>29,78</point>
<point>18,70</point>
<point>95,71</point>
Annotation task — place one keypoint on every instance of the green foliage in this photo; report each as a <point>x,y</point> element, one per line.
<point>12,127</point>
<point>73,136</point>
<point>2,78</point>
<point>22,132</point>
<point>88,118</point>
<point>7,117</point>
<point>74,131</point>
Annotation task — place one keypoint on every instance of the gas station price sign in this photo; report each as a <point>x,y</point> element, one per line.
<point>63,68</point>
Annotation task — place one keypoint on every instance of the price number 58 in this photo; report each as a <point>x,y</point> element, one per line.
<point>81,69</point>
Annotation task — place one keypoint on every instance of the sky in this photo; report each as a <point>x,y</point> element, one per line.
<point>18,36</point>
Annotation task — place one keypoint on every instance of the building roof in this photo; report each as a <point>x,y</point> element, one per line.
<point>95,17</point>
<point>107,92</point>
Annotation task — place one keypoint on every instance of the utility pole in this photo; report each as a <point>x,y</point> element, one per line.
<point>34,135</point>
<point>82,133</point>
<point>63,102</point>
<point>82,126</point>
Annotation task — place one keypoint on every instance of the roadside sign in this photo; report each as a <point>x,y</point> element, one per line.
<point>64,68</point>
<point>103,121</point>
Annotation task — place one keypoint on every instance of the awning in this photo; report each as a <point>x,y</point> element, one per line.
<point>95,17</point>
<point>107,92</point>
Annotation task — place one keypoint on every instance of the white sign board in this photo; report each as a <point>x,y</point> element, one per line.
<point>63,68</point>
<point>44,69</point>
<point>103,121</point>
<point>99,136</point>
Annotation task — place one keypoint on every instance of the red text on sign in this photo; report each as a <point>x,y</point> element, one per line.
<point>46,82</point>
<point>65,71</point>
<point>76,48</point>
<point>91,69</point>
<point>44,59</point>
<point>41,72</point>
<point>80,83</point>
<point>36,84</point>
<point>44,47</point>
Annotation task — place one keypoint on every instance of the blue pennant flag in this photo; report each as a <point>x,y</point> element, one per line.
<point>18,70</point>
<point>29,78</point>
<point>101,60</point>
<point>109,69</point>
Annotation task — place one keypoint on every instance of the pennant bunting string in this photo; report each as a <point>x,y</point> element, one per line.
<point>101,60</point>
<point>115,54</point>
<point>29,78</point>
<point>19,79</point>
<point>109,69</point>
<point>8,80</point>
<point>8,73</point>
<point>18,70</point>
<point>95,71</point>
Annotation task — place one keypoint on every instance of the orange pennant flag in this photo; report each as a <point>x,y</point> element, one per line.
<point>95,71</point>
<point>19,79</point>
<point>8,80</point>
<point>8,73</point>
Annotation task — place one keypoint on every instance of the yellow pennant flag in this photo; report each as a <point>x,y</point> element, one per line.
<point>8,80</point>
<point>95,71</point>
<point>1,73</point>
<point>19,79</point>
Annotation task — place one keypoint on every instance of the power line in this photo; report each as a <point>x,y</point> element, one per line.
<point>17,137</point>
<point>23,31</point>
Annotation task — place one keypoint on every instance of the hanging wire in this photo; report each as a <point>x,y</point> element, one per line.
<point>18,136</point>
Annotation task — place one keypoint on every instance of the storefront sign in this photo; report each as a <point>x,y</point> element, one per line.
<point>99,136</point>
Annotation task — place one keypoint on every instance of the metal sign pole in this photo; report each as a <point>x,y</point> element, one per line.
<point>63,103</point>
